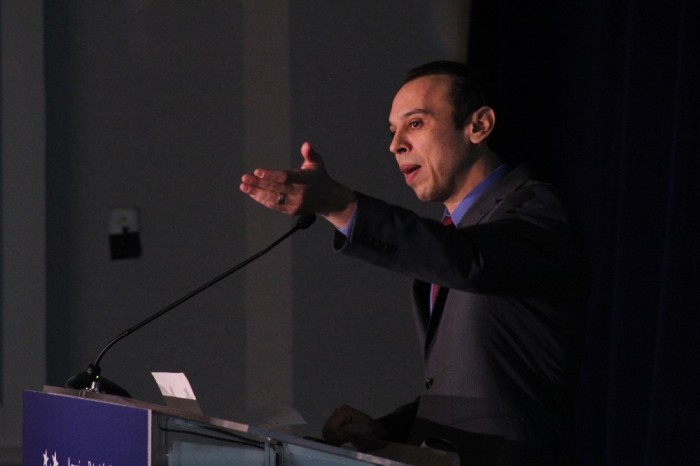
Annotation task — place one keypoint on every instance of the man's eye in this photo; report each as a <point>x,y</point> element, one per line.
<point>415,124</point>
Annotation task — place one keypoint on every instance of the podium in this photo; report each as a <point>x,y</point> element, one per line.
<point>70,428</point>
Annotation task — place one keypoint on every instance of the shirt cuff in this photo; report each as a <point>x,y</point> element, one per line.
<point>351,223</point>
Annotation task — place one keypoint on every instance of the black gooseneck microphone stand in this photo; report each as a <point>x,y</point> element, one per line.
<point>91,380</point>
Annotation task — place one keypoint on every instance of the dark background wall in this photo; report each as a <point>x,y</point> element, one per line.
<point>161,106</point>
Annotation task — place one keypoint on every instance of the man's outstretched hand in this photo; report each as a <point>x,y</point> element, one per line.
<point>308,189</point>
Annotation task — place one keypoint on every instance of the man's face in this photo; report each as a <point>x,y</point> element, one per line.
<point>433,155</point>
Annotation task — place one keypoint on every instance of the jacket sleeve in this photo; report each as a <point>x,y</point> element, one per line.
<point>527,243</point>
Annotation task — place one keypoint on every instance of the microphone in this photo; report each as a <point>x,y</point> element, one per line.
<point>91,379</point>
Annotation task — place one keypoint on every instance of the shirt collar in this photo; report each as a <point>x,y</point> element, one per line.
<point>469,200</point>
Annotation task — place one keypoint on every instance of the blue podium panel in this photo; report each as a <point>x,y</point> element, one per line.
<point>66,431</point>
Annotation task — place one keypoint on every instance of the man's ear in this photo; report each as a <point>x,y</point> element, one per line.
<point>481,124</point>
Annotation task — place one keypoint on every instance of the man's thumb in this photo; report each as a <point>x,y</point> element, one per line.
<point>310,155</point>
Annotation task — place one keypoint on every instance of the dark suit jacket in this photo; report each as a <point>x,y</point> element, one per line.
<point>503,343</point>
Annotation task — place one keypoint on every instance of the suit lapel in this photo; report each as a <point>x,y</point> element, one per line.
<point>494,195</point>
<point>427,322</point>
<point>488,201</point>
<point>435,316</point>
<point>421,309</point>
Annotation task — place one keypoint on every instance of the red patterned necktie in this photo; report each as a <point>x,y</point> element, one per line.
<point>434,288</point>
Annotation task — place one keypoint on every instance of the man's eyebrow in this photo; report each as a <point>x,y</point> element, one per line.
<point>415,111</point>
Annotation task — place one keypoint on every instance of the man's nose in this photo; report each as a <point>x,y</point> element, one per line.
<point>398,144</point>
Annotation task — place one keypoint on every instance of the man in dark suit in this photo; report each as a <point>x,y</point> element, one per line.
<point>500,285</point>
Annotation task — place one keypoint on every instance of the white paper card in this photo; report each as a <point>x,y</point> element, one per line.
<point>174,384</point>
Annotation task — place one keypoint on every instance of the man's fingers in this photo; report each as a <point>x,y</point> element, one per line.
<point>335,428</point>
<point>266,179</point>
<point>346,422</point>
<point>274,176</point>
<point>275,196</point>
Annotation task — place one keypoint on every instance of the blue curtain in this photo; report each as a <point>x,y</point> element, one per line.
<point>602,97</point>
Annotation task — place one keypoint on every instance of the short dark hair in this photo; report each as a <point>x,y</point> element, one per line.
<point>466,93</point>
